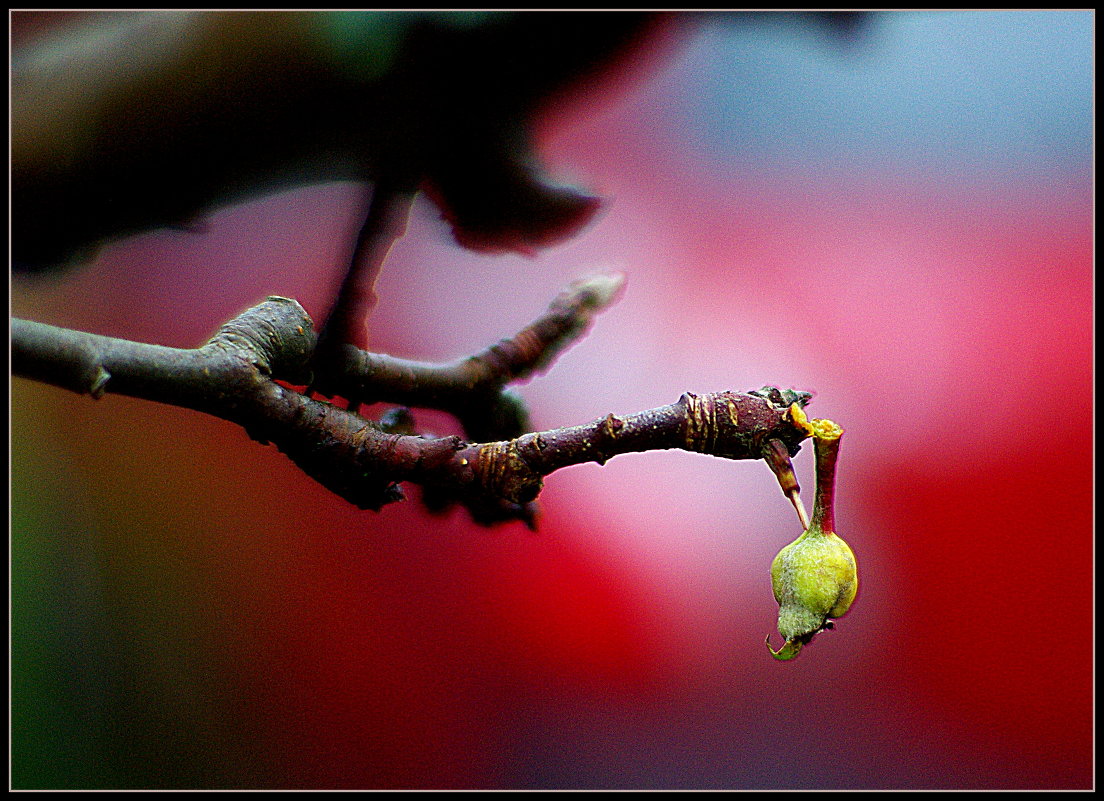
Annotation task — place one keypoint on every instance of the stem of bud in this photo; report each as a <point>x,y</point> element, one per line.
<point>826,442</point>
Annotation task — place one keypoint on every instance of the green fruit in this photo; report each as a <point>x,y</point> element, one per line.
<point>815,577</point>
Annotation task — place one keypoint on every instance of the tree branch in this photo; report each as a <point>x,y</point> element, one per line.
<point>472,388</point>
<point>236,377</point>
<point>386,221</point>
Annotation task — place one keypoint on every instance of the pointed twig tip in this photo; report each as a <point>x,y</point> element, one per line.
<point>600,289</point>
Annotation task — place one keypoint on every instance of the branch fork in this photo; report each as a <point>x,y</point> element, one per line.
<point>247,373</point>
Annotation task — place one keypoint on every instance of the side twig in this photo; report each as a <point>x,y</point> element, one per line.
<point>472,389</point>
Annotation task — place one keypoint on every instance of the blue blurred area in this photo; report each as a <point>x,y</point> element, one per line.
<point>971,90</point>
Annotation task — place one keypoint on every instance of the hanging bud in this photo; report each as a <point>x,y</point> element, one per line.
<point>814,577</point>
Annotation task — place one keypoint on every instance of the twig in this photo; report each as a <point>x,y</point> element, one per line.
<point>731,425</point>
<point>471,389</point>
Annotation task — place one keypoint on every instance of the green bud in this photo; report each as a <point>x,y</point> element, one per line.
<point>814,577</point>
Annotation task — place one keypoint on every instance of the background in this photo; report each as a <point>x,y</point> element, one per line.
<point>899,222</point>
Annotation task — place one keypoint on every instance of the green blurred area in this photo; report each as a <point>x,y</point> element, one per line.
<point>60,669</point>
<point>124,673</point>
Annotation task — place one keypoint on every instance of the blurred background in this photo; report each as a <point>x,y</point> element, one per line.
<point>899,221</point>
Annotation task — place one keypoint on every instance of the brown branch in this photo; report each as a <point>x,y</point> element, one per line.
<point>471,389</point>
<point>274,338</point>
<point>235,376</point>
<point>731,425</point>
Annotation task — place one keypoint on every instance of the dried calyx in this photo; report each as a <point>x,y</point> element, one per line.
<point>814,577</point>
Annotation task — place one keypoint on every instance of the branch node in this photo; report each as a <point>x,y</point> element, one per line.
<point>612,425</point>
<point>99,383</point>
<point>700,422</point>
<point>504,473</point>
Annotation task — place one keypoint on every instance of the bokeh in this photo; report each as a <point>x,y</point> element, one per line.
<point>899,221</point>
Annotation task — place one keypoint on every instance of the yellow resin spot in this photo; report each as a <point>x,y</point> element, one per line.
<point>797,414</point>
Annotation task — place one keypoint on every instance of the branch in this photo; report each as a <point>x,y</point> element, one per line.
<point>388,215</point>
<point>472,389</point>
<point>236,377</point>
<point>731,425</point>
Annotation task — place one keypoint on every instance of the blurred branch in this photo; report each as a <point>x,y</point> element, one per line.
<point>388,217</point>
<point>236,376</point>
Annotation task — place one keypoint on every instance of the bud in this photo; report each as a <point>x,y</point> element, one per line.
<point>814,577</point>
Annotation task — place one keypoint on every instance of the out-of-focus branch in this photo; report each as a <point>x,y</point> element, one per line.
<point>236,376</point>
<point>388,216</point>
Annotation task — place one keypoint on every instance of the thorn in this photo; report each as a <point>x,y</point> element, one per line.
<point>802,515</point>
<point>778,460</point>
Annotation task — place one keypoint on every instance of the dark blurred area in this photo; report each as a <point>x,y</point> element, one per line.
<point>164,117</point>
<point>126,122</point>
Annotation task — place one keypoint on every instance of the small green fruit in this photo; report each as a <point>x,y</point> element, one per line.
<point>815,577</point>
